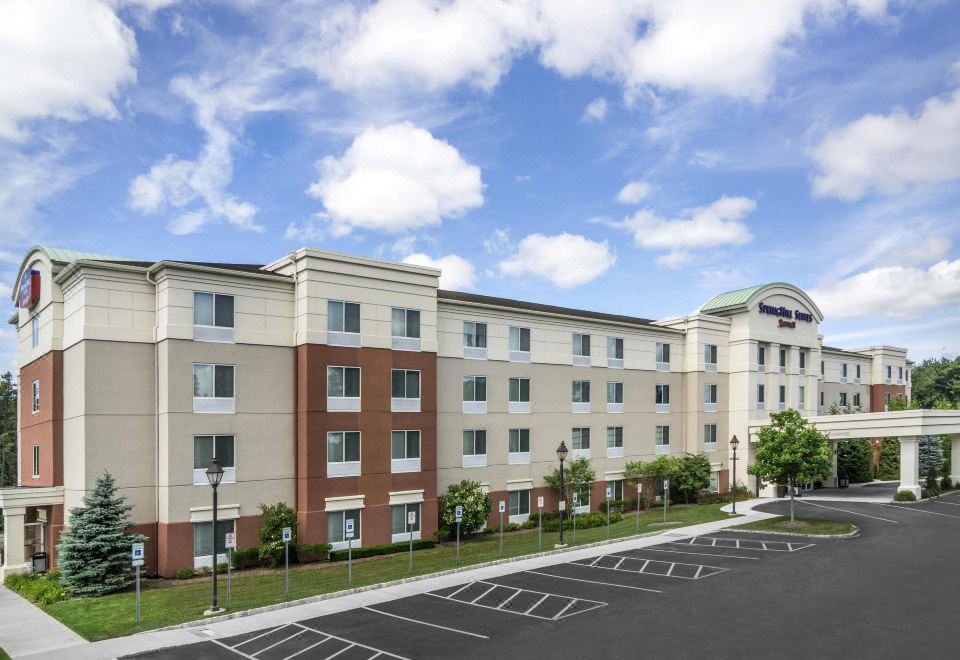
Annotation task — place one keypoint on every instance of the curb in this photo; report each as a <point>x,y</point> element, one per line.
<point>854,533</point>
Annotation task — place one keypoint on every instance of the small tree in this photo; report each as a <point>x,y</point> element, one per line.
<point>660,468</point>
<point>94,553</point>
<point>931,454</point>
<point>889,459</point>
<point>791,451</point>
<point>578,477</point>
<point>476,506</point>
<point>692,475</point>
<point>854,460</point>
<point>273,518</point>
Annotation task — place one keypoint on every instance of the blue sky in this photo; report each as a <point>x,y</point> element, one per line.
<point>635,157</point>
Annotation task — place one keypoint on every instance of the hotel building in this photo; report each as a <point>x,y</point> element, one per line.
<point>355,388</point>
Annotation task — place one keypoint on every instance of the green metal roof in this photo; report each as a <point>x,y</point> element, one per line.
<point>730,298</point>
<point>68,256</point>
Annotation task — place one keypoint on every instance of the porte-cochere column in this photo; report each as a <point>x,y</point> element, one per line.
<point>910,465</point>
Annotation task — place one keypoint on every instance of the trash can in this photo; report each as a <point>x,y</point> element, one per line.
<point>39,562</point>
<point>844,482</point>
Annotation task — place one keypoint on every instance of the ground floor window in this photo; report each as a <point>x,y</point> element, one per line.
<point>336,527</point>
<point>583,499</point>
<point>398,517</point>
<point>519,503</point>
<point>203,542</point>
<point>714,486</point>
<point>616,489</point>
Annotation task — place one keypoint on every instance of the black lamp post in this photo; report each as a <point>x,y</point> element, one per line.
<point>214,476</point>
<point>562,455</point>
<point>734,443</point>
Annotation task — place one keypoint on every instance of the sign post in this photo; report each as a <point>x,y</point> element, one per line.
<point>503,507</point>
<point>348,532</point>
<point>666,498</point>
<point>573,514</point>
<point>540,521</point>
<point>287,536</point>
<point>137,555</point>
<point>411,521</point>
<point>458,514</point>
<point>639,493</point>
<point>608,511</point>
<point>230,543</point>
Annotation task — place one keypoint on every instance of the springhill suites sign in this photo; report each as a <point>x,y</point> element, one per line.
<point>788,317</point>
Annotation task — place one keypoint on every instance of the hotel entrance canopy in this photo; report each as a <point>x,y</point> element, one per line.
<point>905,425</point>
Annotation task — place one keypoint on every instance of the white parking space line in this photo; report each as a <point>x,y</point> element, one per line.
<point>910,508</point>
<point>670,566</point>
<point>588,605</point>
<point>739,544</point>
<point>606,584</point>
<point>950,503</point>
<point>230,648</point>
<point>701,554</point>
<point>285,639</point>
<point>264,634</point>
<point>350,644</point>
<point>855,513</point>
<point>427,623</point>
<point>311,647</point>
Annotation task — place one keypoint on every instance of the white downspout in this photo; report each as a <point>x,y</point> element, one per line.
<point>156,406</point>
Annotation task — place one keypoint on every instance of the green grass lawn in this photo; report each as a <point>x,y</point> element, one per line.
<point>113,616</point>
<point>800,526</point>
<point>3,655</point>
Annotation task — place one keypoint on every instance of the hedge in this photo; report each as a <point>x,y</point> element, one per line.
<point>584,521</point>
<point>385,549</point>
<point>42,589</point>
<point>905,496</point>
<point>307,553</point>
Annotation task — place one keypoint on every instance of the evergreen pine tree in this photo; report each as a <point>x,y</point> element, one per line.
<point>931,455</point>
<point>94,553</point>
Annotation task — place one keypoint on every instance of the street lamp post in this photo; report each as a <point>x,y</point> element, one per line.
<point>734,443</point>
<point>562,455</point>
<point>214,476</point>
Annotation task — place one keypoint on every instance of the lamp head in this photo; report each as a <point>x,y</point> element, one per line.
<point>214,472</point>
<point>734,442</point>
<point>562,451</point>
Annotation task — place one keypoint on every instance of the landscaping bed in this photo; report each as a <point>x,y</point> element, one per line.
<point>803,526</point>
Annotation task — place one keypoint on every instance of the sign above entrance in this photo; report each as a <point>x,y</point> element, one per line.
<point>788,317</point>
<point>29,293</point>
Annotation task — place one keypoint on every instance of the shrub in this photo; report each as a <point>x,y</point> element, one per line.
<point>444,533</point>
<point>308,553</point>
<point>245,558</point>
<point>584,521</point>
<point>273,518</point>
<point>204,571</point>
<point>889,460</point>
<point>221,568</point>
<point>616,505</point>
<point>476,506</point>
<point>270,554</point>
<point>932,483</point>
<point>946,483</point>
<point>42,589</point>
<point>385,549</point>
<point>905,496</point>
<point>186,572</point>
<point>854,460</point>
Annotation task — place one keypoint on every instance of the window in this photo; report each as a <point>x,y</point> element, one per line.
<point>203,542</point>
<point>405,329</point>
<point>615,352</point>
<point>474,334</point>
<point>843,399</point>
<point>843,372</point>
<point>801,398</point>
<point>761,357</point>
<point>343,453</point>
<point>615,397</point>
<point>581,349</point>
<point>822,368</point>
<point>343,323</point>
<point>616,489</point>
<point>857,373</point>
<point>661,439</point>
<point>405,451</point>
<point>714,486</point>
<point>886,400</point>
<point>581,496</point>
<point>336,527</point>
<point>36,461</point>
<point>35,329</point>
<point>519,344</point>
<point>614,442</point>
<point>821,399</point>
<point>709,437</point>
<point>519,441</point>
<point>212,310</point>
<point>220,447</point>
<point>399,517</point>
<point>213,388</point>
<point>581,396</point>
<point>783,397</point>
<point>663,356</point>
<point>474,394</point>
<point>803,361</point>
<point>783,359</point>
<point>474,448</point>
<point>405,390</point>
<point>343,388</point>
<point>710,397</point>
<point>710,357</point>
<point>889,372</point>
<point>519,395</point>
<point>760,396</point>
<point>519,503</point>
<point>856,399</point>
<point>662,398</point>
<point>36,395</point>
<point>899,374</point>
<point>581,439</point>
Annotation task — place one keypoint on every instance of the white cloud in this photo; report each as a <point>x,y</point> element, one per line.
<point>634,192</point>
<point>596,110</point>
<point>566,260</point>
<point>498,243</point>
<point>888,153</point>
<point>894,291</point>
<point>720,223</point>
<point>455,271</point>
<point>674,259</point>
<point>65,60</point>
<point>396,178</point>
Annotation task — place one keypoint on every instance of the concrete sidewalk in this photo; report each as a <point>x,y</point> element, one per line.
<point>26,629</point>
<point>199,630</point>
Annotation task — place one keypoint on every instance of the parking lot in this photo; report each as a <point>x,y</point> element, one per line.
<point>889,592</point>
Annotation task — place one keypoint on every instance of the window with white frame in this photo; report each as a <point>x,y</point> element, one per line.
<point>582,498</point>
<point>343,388</point>
<point>405,451</point>
<point>519,503</point>
<point>36,395</point>
<point>203,542</point>
<point>821,399</point>
<point>761,357</point>
<point>783,359</point>
<point>783,397</point>
<point>519,344</point>
<point>761,394</point>
<point>662,435</point>
<point>36,461</point>
<point>581,349</point>
<point>710,357</point>
<point>35,330</point>
<point>405,329</point>
<point>474,448</point>
<point>213,310</point>
<point>710,397</point>
<point>843,399</point>
<point>616,489</point>
<point>843,372</point>
<point>519,390</point>
<point>519,442</point>
<point>714,486</point>
<point>581,394</point>
<point>343,323</point>
<point>857,373</point>
<point>207,447</point>
<point>615,392</point>
<point>336,526</point>
<point>400,518</point>
<point>823,368</point>
<point>474,334</point>
<point>709,437</point>
<point>856,399</point>
<point>615,352</point>
<point>581,439</point>
<point>889,372</point>
<point>213,388</point>
<point>474,394</point>
<point>899,374</point>
<point>801,396</point>
<point>663,356</point>
<point>343,453</point>
<point>614,441</point>
<point>803,361</point>
<point>662,397</point>
<point>404,390</point>
<point>886,400</point>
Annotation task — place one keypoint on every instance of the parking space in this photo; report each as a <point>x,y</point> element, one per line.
<point>612,603</point>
